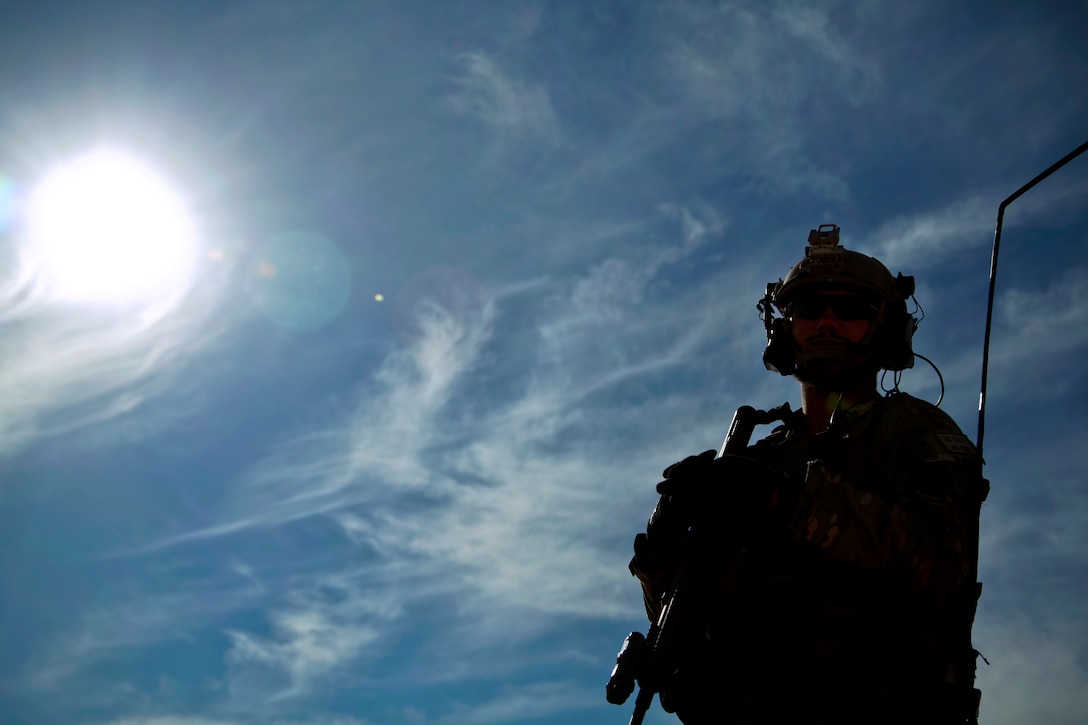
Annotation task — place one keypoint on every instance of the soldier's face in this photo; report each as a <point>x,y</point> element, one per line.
<point>830,330</point>
<point>832,320</point>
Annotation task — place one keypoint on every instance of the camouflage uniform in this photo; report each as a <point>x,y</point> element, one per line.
<point>843,607</point>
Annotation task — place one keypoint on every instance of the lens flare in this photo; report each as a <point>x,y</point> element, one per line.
<point>302,281</point>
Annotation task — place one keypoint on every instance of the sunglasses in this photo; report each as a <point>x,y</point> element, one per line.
<point>847,308</point>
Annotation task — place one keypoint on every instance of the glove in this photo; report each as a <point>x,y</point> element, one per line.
<point>657,551</point>
<point>734,487</point>
<point>691,467</point>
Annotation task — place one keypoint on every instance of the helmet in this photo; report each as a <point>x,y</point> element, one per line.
<point>828,266</point>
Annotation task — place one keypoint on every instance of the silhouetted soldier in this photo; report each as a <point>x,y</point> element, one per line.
<point>846,540</point>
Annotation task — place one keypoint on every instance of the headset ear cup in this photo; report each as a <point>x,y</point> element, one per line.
<point>908,337</point>
<point>900,351</point>
<point>779,355</point>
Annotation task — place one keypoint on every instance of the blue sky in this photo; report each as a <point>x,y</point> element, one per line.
<point>468,276</point>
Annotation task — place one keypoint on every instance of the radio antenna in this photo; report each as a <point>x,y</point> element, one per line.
<point>993,280</point>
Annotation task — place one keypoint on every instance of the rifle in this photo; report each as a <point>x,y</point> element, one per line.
<point>653,660</point>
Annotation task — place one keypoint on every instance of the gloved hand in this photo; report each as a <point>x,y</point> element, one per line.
<point>691,467</point>
<point>731,487</point>
<point>657,551</point>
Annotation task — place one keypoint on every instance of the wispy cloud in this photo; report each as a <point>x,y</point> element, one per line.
<point>68,366</point>
<point>729,71</point>
<point>314,632</point>
<point>530,702</point>
<point>138,616</point>
<point>1036,674</point>
<point>925,240</point>
<point>480,503</point>
<point>191,720</point>
<point>169,720</point>
<point>513,109</point>
<point>1031,624</point>
<point>1044,331</point>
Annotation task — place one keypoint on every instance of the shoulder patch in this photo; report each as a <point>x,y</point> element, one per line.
<point>950,446</point>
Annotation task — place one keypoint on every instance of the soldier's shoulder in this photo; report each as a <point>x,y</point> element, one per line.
<point>936,433</point>
<point>909,408</point>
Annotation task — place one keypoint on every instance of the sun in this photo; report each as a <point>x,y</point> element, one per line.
<point>105,228</point>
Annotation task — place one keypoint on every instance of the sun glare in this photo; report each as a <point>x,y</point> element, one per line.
<point>105,228</point>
